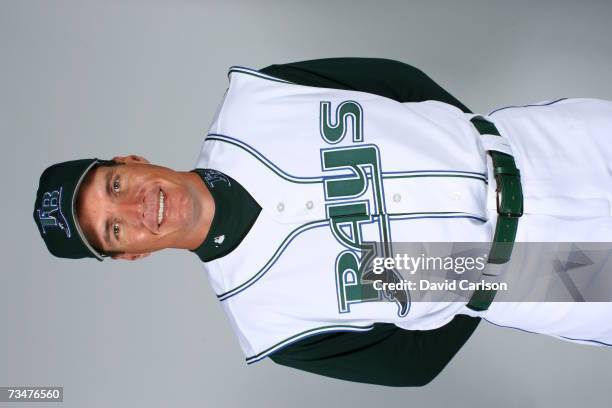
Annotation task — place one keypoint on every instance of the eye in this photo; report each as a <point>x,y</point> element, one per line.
<point>116,231</point>
<point>116,185</point>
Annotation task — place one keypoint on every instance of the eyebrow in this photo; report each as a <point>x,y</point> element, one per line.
<point>107,183</point>
<point>107,224</point>
<point>107,233</point>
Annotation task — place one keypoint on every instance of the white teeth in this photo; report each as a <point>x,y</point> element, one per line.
<point>160,212</point>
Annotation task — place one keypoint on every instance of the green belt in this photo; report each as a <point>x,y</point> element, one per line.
<point>509,210</point>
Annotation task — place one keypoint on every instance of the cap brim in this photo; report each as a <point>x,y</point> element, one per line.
<point>91,249</point>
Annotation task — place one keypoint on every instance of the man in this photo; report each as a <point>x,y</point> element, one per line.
<point>306,164</point>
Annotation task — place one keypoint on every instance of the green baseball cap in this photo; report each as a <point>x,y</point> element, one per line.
<point>55,209</point>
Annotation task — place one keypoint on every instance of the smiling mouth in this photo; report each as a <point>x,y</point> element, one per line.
<point>160,209</point>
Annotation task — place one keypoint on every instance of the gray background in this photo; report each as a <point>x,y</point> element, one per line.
<point>83,78</point>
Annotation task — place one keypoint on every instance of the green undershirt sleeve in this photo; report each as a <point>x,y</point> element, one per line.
<point>386,355</point>
<point>392,79</point>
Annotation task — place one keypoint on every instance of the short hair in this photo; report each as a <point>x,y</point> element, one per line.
<point>110,253</point>
<point>106,163</point>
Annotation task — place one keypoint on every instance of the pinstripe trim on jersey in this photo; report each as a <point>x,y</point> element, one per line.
<point>547,103</point>
<point>319,179</point>
<point>263,159</point>
<point>601,343</point>
<point>435,214</point>
<point>435,173</point>
<point>273,259</point>
<point>305,334</point>
<point>252,72</point>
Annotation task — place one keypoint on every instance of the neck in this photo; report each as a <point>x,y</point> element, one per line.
<point>205,207</point>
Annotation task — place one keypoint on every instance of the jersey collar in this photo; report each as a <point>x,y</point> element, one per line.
<point>235,214</point>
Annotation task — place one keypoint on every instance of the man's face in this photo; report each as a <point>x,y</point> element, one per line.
<point>136,208</point>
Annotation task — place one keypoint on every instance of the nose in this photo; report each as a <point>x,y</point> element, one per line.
<point>129,211</point>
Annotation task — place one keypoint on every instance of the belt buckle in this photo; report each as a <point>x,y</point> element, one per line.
<point>509,197</point>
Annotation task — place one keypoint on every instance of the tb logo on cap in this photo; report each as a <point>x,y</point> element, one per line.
<point>50,213</point>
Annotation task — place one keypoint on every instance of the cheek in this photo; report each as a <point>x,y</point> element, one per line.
<point>181,204</point>
<point>139,238</point>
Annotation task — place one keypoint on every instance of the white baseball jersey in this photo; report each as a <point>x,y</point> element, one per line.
<point>334,170</point>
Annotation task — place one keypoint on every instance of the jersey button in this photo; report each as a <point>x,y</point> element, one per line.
<point>397,197</point>
<point>309,205</point>
<point>280,207</point>
<point>456,196</point>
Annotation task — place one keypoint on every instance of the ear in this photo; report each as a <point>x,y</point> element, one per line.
<point>130,257</point>
<point>131,159</point>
